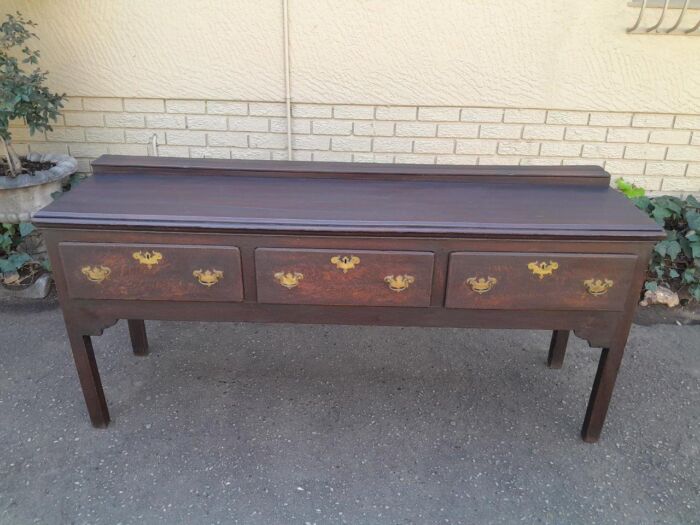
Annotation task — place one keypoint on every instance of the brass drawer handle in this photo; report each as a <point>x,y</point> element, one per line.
<point>346,262</point>
<point>148,258</point>
<point>481,285</point>
<point>96,274</point>
<point>399,283</point>
<point>289,279</point>
<point>208,277</point>
<point>540,269</point>
<point>597,286</point>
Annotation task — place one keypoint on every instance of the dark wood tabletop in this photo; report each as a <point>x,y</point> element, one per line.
<point>251,202</point>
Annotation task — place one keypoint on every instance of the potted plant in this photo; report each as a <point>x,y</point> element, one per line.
<point>26,184</point>
<point>23,262</point>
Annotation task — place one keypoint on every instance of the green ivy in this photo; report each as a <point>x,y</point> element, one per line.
<point>12,258</point>
<point>675,261</point>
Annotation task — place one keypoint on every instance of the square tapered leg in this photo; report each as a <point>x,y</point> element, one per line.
<point>89,377</point>
<point>598,403</point>
<point>137,332</point>
<point>557,348</point>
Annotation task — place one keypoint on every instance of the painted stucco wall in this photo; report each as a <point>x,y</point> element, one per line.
<point>565,54</point>
<point>537,82</point>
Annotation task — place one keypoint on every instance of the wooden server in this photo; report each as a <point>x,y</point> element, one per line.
<point>369,244</point>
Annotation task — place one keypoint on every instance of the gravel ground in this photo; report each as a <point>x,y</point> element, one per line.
<point>281,424</point>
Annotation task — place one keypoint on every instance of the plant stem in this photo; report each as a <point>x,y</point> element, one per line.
<point>11,158</point>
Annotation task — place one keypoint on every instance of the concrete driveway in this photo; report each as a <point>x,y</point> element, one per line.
<point>281,424</point>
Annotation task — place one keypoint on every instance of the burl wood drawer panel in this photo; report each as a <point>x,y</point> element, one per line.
<point>337,277</point>
<point>546,281</point>
<point>154,272</point>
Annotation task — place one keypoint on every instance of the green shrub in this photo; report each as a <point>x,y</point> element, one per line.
<point>675,261</point>
<point>23,93</point>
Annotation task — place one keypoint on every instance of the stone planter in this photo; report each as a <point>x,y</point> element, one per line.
<point>39,289</point>
<point>21,197</point>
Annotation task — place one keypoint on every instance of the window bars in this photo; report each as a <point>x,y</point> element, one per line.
<point>679,27</point>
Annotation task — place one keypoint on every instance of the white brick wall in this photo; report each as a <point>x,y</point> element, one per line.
<point>657,151</point>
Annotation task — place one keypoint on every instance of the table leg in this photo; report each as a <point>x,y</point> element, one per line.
<point>608,366</point>
<point>137,332</point>
<point>89,376</point>
<point>557,348</point>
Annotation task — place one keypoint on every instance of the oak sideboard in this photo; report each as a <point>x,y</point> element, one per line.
<point>548,248</point>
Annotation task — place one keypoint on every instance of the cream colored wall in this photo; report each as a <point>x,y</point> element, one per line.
<point>537,82</point>
<point>160,48</point>
<point>561,54</point>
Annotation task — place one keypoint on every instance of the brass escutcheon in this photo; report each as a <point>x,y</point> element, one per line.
<point>96,274</point>
<point>540,269</point>
<point>289,279</point>
<point>399,283</point>
<point>208,277</point>
<point>346,262</point>
<point>148,258</point>
<point>597,286</point>
<point>481,285</point>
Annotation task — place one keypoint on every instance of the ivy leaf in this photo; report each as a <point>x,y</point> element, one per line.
<point>673,249</point>
<point>660,214</point>
<point>693,219</point>
<point>671,204</point>
<point>661,248</point>
<point>11,229</point>
<point>5,242</point>
<point>651,286</point>
<point>695,291</point>
<point>685,246</point>
<point>676,204</point>
<point>25,228</point>
<point>642,203</point>
<point>14,262</point>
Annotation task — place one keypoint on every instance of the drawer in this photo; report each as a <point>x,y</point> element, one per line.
<point>153,272</point>
<point>546,281</point>
<point>350,277</point>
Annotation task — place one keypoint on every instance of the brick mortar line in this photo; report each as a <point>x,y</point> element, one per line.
<point>376,105</point>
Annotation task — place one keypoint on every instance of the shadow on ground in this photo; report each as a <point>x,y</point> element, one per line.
<point>277,424</point>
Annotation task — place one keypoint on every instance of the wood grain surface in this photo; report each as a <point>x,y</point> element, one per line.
<point>324,283</point>
<point>171,279</point>
<point>518,288</point>
<point>377,206</point>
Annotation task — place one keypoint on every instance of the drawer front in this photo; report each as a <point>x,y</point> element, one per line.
<point>546,281</point>
<point>154,272</point>
<point>332,277</point>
